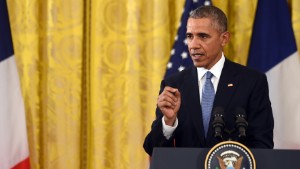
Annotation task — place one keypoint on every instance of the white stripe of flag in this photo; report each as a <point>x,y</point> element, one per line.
<point>284,82</point>
<point>14,153</point>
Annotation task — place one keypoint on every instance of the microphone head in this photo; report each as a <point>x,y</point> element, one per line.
<point>239,111</point>
<point>241,123</point>
<point>218,122</point>
<point>218,111</point>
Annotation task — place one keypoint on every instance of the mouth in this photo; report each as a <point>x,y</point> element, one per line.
<point>197,55</point>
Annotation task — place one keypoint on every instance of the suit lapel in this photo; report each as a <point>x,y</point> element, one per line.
<point>226,87</point>
<point>192,103</point>
<point>194,108</point>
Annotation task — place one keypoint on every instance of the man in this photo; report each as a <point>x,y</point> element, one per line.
<point>186,97</point>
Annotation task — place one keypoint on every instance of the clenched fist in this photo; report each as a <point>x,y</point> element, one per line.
<point>169,103</point>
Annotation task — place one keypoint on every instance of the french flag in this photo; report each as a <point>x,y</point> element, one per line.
<point>273,51</point>
<point>14,153</point>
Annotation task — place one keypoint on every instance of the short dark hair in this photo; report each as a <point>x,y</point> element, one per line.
<point>217,15</point>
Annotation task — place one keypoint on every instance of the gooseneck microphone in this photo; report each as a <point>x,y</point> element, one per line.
<point>218,123</point>
<point>241,123</point>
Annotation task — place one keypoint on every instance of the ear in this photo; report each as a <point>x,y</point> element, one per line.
<point>225,36</point>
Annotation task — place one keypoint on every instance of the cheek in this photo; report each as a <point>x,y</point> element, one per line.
<point>213,47</point>
<point>208,48</point>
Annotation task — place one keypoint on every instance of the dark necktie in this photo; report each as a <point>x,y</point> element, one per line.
<point>208,96</point>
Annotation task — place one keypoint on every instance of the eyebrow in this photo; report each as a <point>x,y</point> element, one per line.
<point>198,34</point>
<point>202,34</point>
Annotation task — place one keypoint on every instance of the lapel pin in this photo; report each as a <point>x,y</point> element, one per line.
<point>230,85</point>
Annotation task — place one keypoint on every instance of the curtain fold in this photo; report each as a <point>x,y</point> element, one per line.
<point>91,70</point>
<point>295,12</point>
<point>130,46</point>
<point>48,41</point>
<point>90,73</point>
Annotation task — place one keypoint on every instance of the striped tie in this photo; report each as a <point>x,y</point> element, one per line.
<point>208,95</point>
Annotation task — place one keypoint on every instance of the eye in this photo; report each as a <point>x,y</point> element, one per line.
<point>203,36</point>
<point>189,36</point>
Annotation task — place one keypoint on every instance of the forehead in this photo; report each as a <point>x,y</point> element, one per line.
<point>200,24</point>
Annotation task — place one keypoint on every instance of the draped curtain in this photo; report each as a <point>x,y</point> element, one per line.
<point>91,69</point>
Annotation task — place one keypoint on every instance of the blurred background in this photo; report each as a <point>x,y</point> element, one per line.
<point>90,72</point>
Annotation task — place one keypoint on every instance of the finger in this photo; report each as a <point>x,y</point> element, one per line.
<point>170,89</point>
<point>166,100</point>
<point>171,92</point>
<point>166,104</point>
<point>166,95</point>
<point>177,94</point>
<point>169,95</point>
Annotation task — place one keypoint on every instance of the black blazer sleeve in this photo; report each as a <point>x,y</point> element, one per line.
<point>156,137</point>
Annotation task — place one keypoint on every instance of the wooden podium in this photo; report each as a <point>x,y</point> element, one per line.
<point>194,158</point>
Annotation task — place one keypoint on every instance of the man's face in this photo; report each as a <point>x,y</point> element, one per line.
<point>205,42</point>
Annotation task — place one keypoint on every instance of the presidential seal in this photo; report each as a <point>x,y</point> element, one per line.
<point>230,155</point>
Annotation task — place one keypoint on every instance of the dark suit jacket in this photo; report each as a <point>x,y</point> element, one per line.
<point>249,90</point>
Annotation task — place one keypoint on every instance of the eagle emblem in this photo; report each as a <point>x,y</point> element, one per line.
<point>230,160</point>
<point>230,155</point>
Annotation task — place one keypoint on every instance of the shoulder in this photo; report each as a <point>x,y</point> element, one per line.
<point>243,70</point>
<point>187,74</point>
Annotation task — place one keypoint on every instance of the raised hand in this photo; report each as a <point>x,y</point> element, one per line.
<point>169,103</point>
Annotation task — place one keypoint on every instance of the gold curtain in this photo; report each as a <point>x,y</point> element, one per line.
<point>90,73</point>
<point>240,15</point>
<point>295,12</point>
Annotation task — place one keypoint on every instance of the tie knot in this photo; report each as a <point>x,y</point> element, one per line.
<point>209,75</point>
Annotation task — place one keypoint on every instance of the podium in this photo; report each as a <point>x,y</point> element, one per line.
<point>194,158</point>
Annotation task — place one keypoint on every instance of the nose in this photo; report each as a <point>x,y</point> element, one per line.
<point>194,43</point>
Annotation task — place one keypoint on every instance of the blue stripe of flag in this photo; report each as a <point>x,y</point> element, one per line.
<point>272,38</point>
<point>179,47</point>
<point>6,47</point>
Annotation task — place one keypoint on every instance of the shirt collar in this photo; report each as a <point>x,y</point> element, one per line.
<point>215,70</point>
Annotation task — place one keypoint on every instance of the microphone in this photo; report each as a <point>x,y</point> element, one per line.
<point>241,123</point>
<point>218,123</point>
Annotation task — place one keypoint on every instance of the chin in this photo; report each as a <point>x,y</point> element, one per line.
<point>198,65</point>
